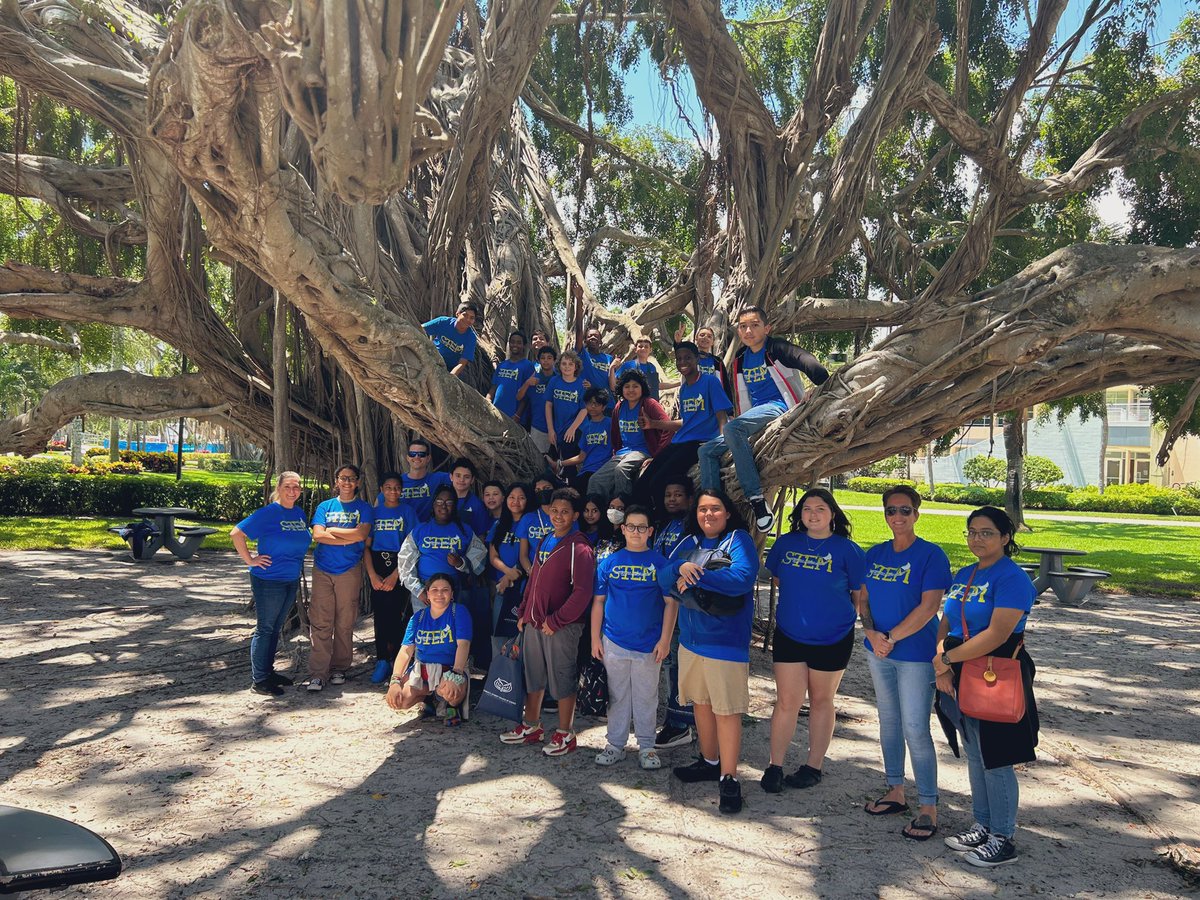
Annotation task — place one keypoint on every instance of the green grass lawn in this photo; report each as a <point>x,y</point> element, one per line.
<point>54,533</point>
<point>856,498</point>
<point>1142,558</point>
<point>207,477</point>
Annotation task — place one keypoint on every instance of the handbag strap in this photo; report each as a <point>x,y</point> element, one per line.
<point>963,611</point>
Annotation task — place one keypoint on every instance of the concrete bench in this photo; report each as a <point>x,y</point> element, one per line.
<point>142,545</point>
<point>1074,585</point>
<point>191,537</point>
<point>39,851</point>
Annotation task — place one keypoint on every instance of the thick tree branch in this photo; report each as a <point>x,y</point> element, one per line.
<point>41,341</point>
<point>126,395</point>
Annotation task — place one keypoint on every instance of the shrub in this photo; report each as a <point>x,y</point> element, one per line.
<point>151,462</point>
<point>988,470</point>
<point>96,451</point>
<point>1136,498</point>
<point>256,466</point>
<point>970,494</point>
<point>103,467</point>
<point>64,494</point>
<point>867,485</point>
<point>886,468</point>
<point>1040,471</point>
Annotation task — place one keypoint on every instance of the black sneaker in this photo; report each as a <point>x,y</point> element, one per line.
<point>772,780</point>
<point>267,688</point>
<point>996,852</point>
<point>764,519</point>
<point>731,795</point>
<point>549,704</point>
<point>281,680</point>
<point>698,771</point>
<point>673,736</point>
<point>803,777</point>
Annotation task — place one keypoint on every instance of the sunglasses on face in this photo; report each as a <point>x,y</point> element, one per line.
<point>898,510</point>
<point>417,454</point>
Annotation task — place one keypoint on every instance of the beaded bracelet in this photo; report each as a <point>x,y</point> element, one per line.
<point>455,677</point>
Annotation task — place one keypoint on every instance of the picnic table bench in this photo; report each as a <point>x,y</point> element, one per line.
<point>183,541</point>
<point>1071,584</point>
<point>40,851</point>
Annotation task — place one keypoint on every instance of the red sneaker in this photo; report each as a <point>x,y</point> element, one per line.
<point>562,743</point>
<point>523,734</point>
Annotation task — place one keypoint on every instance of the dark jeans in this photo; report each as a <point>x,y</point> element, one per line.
<point>273,601</point>
<point>392,609</point>
<point>672,462</point>
<point>678,715</point>
<point>479,604</point>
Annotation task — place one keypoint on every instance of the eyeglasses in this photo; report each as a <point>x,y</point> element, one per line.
<point>443,501</point>
<point>348,479</point>
<point>637,529</point>
<point>898,510</point>
<point>987,534</point>
<point>417,454</point>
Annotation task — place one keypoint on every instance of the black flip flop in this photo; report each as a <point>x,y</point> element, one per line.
<point>922,822</point>
<point>890,808</point>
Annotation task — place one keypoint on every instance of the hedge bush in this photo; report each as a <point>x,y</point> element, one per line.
<point>50,495</point>
<point>255,466</point>
<point>1126,498</point>
<point>151,462</point>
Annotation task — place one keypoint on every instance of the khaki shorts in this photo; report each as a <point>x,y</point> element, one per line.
<point>719,683</point>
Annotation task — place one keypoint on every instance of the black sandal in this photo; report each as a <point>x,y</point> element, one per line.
<point>887,808</point>
<point>922,823</point>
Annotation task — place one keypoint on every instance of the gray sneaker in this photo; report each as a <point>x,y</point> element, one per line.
<point>975,836</point>
<point>337,678</point>
<point>315,684</point>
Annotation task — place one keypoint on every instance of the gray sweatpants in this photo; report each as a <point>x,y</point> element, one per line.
<point>632,691</point>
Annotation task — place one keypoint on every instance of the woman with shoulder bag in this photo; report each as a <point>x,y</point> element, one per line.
<point>983,627</point>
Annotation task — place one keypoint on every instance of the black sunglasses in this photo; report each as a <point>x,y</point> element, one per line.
<point>418,453</point>
<point>893,510</point>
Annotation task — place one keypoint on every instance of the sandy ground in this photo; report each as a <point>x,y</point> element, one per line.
<point>124,706</point>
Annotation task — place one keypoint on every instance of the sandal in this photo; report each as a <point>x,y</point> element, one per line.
<point>921,828</point>
<point>885,808</point>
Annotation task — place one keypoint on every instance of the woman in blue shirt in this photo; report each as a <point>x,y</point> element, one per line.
<point>504,553</point>
<point>820,573</point>
<point>906,578</point>
<point>281,532</point>
<point>394,519</point>
<point>714,650</point>
<point>992,598</point>
<point>433,661</point>
<point>340,528</point>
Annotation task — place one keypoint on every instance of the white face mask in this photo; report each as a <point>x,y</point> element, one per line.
<point>616,516</point>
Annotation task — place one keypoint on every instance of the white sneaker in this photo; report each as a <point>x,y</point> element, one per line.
<point>610,756</point>
<point>648,759</point>
<point>315,684</point>
<point>337,678</point>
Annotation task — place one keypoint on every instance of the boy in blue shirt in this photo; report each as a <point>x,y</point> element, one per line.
<point>631,633</point>
<point>640,362</point>
<point>455,338</point>
<point>533,392</point>
<point>766,378</point>
<point>594,439</point>
<point>510,376</point>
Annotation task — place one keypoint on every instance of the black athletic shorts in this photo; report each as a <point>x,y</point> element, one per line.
<point>822,657</point>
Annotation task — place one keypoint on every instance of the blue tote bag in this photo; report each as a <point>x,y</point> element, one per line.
<point>504,690</point>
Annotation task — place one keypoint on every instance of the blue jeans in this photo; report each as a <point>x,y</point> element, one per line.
<point>272,602</point>
<point>994,792</point>
<point>735,438</point>
<point>904,699</point>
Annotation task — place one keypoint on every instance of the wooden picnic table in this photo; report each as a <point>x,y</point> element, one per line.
<point>164,522</point>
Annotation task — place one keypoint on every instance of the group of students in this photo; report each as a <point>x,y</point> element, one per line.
<point>574,577</point>
<point>600,424</point>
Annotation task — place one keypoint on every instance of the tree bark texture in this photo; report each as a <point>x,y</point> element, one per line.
<point>370,164</point>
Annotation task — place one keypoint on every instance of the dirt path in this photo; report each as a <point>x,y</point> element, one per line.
<point>124,707</point>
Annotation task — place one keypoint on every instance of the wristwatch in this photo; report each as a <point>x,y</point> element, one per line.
<point>946,658</point>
